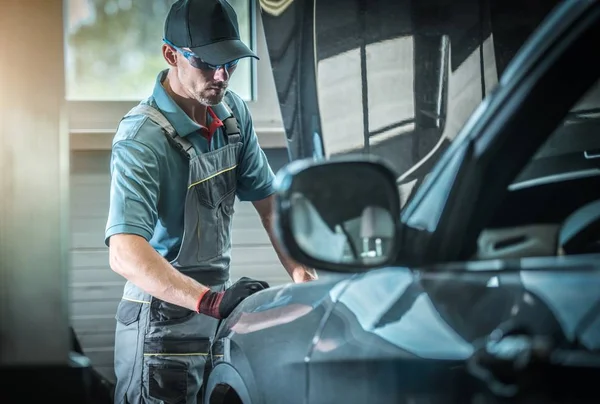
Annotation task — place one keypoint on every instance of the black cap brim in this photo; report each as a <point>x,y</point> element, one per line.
<point>222,52</point>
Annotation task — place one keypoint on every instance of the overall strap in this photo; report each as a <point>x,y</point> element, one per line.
<point>232,129</point>
<point>182,144</point>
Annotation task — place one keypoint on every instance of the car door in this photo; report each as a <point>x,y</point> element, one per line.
<point>527,333</point>
<point>550,73</point>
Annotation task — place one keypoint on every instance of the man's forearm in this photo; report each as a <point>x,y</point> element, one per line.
<point>133,258</point>
<point>296,270</point>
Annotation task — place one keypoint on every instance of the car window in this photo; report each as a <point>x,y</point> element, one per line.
<point>573,148</point>
<point>556,195</point>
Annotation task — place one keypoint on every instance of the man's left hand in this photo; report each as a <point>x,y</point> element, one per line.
<point>303,274</point>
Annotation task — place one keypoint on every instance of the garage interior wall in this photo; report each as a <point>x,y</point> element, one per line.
<point>94,289</point>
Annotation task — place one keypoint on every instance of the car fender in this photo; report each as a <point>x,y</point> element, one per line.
<point>280,322</point>
<point>224,373</point>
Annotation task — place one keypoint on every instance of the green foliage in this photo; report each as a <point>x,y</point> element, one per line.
<point>116,53</point>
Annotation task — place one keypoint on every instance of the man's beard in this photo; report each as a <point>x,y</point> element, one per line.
<point>210,97</point>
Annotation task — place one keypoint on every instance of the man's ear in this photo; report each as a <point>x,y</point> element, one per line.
<point>169,54</point>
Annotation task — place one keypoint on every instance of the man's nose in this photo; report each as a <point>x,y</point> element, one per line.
<point>221,74</point>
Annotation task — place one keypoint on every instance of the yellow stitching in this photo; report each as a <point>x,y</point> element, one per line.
<point>212,176</point>
<point>176,354</point>
<point>181,354</point>
<point>135,300</point>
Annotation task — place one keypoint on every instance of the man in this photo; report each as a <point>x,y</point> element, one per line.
<point>178,160</point>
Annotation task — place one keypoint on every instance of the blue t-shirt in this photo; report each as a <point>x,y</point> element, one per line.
<point>149,177</point>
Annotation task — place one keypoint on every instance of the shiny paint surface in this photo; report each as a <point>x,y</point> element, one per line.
<point>269,336</point>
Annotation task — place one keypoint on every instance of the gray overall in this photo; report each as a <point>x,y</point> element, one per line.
<point>161,349</point>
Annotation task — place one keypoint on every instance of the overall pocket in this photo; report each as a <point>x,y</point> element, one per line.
<point>128,312</point>
<point>163,313</point>
<point>225,216</point>
<point>215,199</point>
<point>168,382</point>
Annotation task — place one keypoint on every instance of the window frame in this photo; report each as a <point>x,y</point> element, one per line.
<point>87,119</point>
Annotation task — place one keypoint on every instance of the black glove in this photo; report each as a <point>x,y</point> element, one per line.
<point>220,304</point>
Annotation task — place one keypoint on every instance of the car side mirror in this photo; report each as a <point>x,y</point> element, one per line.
<point>339,215</point>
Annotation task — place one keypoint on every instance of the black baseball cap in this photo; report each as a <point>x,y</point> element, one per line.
<point>209,28</point>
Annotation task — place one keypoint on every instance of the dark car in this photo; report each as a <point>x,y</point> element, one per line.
<point>483,287</point>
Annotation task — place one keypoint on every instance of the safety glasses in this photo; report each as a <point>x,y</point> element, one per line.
<point>199,63</point>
